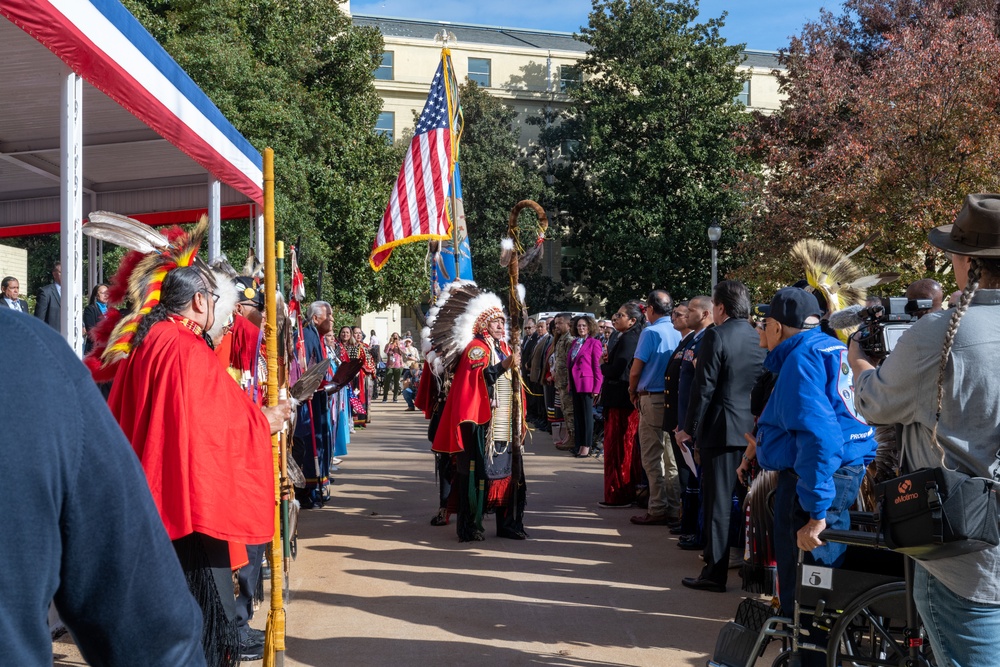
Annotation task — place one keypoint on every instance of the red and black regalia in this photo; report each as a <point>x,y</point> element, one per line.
<point>476,426</point>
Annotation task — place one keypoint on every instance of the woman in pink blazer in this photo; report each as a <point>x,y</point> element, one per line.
<point>585,380</point>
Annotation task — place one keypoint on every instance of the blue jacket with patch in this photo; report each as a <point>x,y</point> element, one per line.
<point>810,424</point>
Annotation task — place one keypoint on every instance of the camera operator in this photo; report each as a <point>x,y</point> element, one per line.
<point>809,433</point>
<point>925,289</point>
<point>958,597</point>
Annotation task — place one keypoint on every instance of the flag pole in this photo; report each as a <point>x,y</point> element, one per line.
<point>274,636</point>
<point>446,69</point>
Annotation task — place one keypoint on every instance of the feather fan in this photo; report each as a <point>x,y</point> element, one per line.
<point>124,231</point>
<point>830,273</point>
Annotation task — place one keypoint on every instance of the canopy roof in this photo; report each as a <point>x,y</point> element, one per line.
<point>151,138</point>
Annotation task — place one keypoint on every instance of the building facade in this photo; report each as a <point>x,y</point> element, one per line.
<point>527,69</point>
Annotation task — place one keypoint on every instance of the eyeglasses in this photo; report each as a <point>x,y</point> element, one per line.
<point>616,316</point>
<point>215,297</point>
<point>762,325</point>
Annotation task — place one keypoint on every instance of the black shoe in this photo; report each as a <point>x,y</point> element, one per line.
<point>677,529</point>
<point>513,534</point>
<point>613,505</point>
<point>690,545</point>
<point>441,518</point>
<point>252,650</point>
<point>699,584</point>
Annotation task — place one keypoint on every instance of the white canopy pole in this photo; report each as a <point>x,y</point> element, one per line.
<point>214,218</point>
<point>259,223</point>
<point>71,208</point>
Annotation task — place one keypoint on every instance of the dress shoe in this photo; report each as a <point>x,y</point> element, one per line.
<point>699,584</point>
<point>690,545</point>
<point>678,530</point>
<point>650,520</point>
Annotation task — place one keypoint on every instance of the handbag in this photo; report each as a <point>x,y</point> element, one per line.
<point>501,465</point>
<point>937,512</point>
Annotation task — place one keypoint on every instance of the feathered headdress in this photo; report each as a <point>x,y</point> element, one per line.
<point>833,275</point>
<point>459,313</point>
<point>137,283</point>
<point>834,278</point>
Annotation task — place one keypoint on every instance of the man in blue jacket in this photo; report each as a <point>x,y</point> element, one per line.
<point>811,434</point>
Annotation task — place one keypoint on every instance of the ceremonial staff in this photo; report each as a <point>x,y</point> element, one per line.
<point>515,257</point>
<point>274,637</point>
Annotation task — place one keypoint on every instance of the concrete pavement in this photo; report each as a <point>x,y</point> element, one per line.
<point>375,584</point>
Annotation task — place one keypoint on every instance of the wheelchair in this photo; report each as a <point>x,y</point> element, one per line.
<point>863,608</point>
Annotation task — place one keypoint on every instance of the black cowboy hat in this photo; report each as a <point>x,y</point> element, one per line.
<point>976,231</point>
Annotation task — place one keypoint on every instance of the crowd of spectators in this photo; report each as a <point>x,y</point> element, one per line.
<point>710,393</point>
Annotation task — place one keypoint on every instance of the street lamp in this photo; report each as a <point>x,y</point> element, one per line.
<point>714,234</point>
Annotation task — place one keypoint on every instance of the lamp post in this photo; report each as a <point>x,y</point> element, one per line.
<point>714,234</point>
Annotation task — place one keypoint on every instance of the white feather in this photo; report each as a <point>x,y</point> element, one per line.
<point>507,243</point>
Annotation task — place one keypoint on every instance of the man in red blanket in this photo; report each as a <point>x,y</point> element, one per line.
<point>476,426</point>
<point>204,446</point>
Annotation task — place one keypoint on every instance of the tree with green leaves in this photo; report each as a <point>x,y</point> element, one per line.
<point>652,158</point>
<point>295,75</point>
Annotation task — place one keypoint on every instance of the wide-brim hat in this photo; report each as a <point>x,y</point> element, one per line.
<point>976,230</point>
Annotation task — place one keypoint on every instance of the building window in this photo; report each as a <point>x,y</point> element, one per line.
<point>570,77</point>
<point>569,148</point>
<point>384,71</point>
<point>386,125</point>
<point>479,71</point>
<point>744,96</point>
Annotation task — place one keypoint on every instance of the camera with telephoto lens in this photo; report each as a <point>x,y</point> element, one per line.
<point>885,322</point>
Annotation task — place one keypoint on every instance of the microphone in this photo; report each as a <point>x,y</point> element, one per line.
<point>846,318</point>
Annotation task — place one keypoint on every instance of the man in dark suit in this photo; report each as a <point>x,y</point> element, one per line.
<point>11,295</point>
<point>49,304</point>
<point>718,414</point>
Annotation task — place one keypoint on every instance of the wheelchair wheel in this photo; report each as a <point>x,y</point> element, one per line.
<point>871,631</point>
<point>783,659</point>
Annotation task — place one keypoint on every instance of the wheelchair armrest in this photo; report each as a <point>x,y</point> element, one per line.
<point>864,519</point>
<point>858,538</point>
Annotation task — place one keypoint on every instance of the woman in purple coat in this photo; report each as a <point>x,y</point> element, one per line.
<point>585,379</point>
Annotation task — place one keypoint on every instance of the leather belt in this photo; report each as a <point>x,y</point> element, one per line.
<point>647,393</point>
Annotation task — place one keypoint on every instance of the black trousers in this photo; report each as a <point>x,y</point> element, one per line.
<point>718,477</point>
<point>248,578</point>
<point>583,419</point>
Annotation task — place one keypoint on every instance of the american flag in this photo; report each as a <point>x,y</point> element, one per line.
<point>416,210</point>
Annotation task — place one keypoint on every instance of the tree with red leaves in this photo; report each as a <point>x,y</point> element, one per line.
<point>891,119</point>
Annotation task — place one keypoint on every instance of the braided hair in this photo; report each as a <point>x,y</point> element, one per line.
<point>177,291</point>
<point>976,269</point>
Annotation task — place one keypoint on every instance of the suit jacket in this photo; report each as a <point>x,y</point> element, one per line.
<point>729,362</point>
<point>671,382</point>
<point>48,305</point>
<point>24,304</point>
<point>586,368</point>
<point>527,348</point>
<point>537,362</point>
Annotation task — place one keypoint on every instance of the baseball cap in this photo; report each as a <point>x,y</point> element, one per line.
<point>791,307</point>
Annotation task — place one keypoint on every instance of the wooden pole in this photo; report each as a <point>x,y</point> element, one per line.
<point>274,636</point>
<point>516,307</point>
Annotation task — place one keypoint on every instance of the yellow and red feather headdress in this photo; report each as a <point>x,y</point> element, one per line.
<point>139,279</point>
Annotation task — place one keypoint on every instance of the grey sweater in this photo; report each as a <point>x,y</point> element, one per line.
<point>904,390</point>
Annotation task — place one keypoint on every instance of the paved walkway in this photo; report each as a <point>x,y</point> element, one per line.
<point>376,584</point>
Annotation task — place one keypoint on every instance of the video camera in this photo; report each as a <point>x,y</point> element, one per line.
<point>885,322</point>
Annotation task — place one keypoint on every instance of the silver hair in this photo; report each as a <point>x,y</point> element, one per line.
<point>319,308</point>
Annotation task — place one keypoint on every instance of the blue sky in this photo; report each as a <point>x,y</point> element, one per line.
<point>762,25</point>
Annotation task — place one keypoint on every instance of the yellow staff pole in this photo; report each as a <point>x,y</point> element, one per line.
<point>274,636</point>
